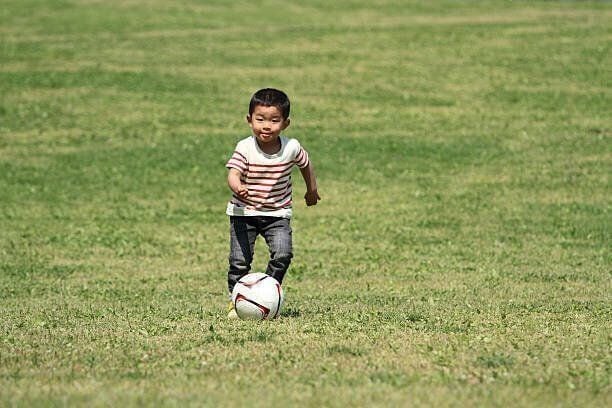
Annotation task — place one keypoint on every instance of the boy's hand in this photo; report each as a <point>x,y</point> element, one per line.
<point>242,191</point>
<point>312,197</point>
<point>235,184</point>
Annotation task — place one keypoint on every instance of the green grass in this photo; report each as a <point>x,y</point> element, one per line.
<point>460,255</point>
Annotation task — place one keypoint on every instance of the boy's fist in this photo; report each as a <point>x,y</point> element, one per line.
<point>242,192</point>
<point>311,197</point>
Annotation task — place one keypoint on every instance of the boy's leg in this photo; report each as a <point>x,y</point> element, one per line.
<point>278,236</point>
<point>243,232</point>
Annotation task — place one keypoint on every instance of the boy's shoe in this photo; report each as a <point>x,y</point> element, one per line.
<point>231,314</point>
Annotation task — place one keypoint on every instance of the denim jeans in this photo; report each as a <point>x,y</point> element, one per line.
<point>243,233</point>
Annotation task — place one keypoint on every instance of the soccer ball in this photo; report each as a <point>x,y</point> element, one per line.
<point>257,296</point>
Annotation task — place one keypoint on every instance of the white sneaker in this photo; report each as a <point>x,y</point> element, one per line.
<point>231,314</point>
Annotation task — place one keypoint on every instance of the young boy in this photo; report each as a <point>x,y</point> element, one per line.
<point>260,179</point>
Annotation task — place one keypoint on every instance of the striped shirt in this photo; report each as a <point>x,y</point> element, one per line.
<point>267,177</point>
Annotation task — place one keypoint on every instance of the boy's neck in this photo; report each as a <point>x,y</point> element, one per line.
<point>269,148</point>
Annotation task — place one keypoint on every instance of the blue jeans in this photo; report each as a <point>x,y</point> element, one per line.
<point>243,233</point>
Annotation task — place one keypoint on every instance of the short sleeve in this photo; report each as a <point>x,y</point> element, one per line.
<point>301,158</point>
<point>238,160</point>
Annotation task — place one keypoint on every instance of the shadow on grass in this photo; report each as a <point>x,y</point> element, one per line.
<point>290,312</point>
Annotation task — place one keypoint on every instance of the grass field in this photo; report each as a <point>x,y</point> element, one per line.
<point>460,255</point>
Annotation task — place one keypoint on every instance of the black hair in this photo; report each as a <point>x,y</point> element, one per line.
<point>271,97</point>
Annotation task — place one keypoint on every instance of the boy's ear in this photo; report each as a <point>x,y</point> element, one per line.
<point>248,118</point>
<point>286,123</point>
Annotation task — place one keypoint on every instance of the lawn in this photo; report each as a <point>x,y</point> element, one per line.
<point>460,254</point>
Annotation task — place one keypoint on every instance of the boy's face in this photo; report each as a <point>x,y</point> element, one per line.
<point>267,123</point>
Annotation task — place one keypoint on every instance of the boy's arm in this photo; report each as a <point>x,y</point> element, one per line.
<point>312,195</point>
<point>235,184</point>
